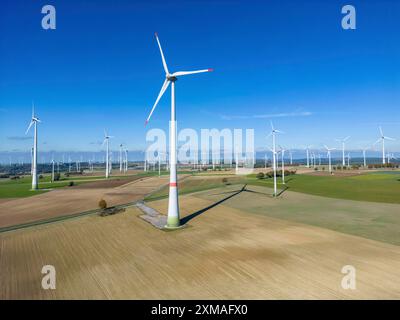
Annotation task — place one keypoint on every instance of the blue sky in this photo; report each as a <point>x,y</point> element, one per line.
<point>285,61</point>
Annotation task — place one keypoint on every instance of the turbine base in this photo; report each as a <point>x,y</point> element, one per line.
<point>173,222</point>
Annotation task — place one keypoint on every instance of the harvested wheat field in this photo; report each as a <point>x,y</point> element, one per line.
<point>73,200</point>
<point>223,253</point>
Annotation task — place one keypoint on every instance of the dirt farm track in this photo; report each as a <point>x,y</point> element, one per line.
<point>224,253</point>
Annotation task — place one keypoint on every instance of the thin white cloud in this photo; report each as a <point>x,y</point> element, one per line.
<point>268,115</point>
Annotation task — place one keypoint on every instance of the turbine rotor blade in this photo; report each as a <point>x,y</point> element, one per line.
<point>30,125</point>
<point>162,55</point>
<point>380,130</point>
<point>163,88</point>
<point>389,138</point>
<point>377,141</point>
<point>184,73</point>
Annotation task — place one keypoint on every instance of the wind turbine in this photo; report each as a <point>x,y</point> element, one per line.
<point>173,219</point>
<point>329,158</point>
<point>364,150</point>
<point>313,159</point>
<point>343,145</point>
<point>107,142</point>
<point>291,156</point>
<point>348,159</point>
<point>274,153</point>
<point>34,121</point>
<point>383,138</point>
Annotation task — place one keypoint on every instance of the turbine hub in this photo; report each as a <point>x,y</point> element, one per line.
<point>172,78</point>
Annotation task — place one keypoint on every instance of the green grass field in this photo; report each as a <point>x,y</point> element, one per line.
<point>375,187</point>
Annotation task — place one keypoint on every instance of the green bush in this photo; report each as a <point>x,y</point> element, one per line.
<point>260,175</point>
<point>57,176</point>
<point>71,184</point>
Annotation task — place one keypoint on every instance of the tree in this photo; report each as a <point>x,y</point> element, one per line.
<point>102,204</point>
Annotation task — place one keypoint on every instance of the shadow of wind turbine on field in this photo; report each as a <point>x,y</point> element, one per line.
<point>199,212</point>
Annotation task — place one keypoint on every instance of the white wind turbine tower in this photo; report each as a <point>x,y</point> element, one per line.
<point>120,157</point>
<point>383,138</point>
<point>173,219</point>
<point>291,156</point>
<point>274,156</point>
<point>236,161</point>
<point>126,160</point>
<point>274,153</point>
<point>348,159</point>
<point>308,155</point>
<point>343,145</point>
<point>283,164</point>
<point>364,150</point>
<point>329,158</point>
<point>34,122</point>
<point>313,159</point>
<point>32,161</point>
<point>110,162</point>
<point>159,165</point>
<point>107,142</point>
<point>52,170</point>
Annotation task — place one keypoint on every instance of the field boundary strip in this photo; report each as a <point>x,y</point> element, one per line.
<point>61,218</point>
